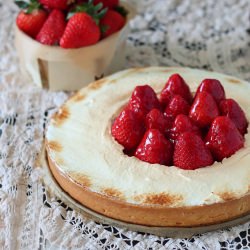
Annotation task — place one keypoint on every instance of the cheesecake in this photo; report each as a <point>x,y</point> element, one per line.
<point>92,166</point>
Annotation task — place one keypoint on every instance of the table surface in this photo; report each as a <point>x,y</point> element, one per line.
<point>163,33</point>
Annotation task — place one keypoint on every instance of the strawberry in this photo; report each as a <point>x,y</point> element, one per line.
<point>156,120</point>
<point>175,86</point>
<point>231,109</point>
<point>31,19</point>
<point>203,110</point>
<point>143,100</point>
<point>214,88</point>
<point>82,28</point>
<point>182,123</point>
<point>191,153</point>
<point>177,106</point>
<point>80,31</point>
<point>128,129</point>
<point>155,148</point>
<point>111,22</point>
<point>223,138</point>
<point>56,4</point>
<point>107,3</point>
<point>53,28</point>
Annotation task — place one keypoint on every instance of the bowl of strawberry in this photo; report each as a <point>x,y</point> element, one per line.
<point>180,128</point>
<point>66,44</point>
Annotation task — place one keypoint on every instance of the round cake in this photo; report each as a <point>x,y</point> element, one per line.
<point>91,166</point>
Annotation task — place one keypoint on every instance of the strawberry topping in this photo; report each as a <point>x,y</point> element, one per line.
<point>175,86</point>
<point>177,106</point>
<point>231,109</point>
<point>223,138</point>
<point>155,148</point>
<point>191,153</point>
<point>203,110</point>
<point>128,129</point>
<point>143,100</point>
<point>214,88</point>
<point>180,126</point>
<point>156,120</point>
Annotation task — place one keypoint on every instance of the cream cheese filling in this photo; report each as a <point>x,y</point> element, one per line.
<point>89,149</point>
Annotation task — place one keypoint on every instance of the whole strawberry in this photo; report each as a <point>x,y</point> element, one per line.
<point>82,28</point>
<point>128,129</point>
<point>156,120</point>
<point>56,4</point>
<point>155,148</point>
<point>31,19</point>
<point>203,110</point>
<point>53,28</point>
<point>111,23</point>
<point>214,88</point>
<point>223,138</point>
<point>231,109</point>
<point>107,3</point>
<point>191,153</point>
<point>182,123</point>
<point>176,106</point>
<point>143,100</point>
<point>175,86</point>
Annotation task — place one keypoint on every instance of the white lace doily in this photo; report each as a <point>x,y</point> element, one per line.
<point>209,34</point>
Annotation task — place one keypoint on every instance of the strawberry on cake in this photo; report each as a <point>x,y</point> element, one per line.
<point>156,146</point>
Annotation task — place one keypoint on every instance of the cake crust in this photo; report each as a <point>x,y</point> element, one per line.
<point>133,191</point>
<point>149,215</point>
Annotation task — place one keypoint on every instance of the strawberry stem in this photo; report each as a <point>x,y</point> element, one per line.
<point>29,6</point>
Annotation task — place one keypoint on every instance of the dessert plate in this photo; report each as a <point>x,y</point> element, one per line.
<point>174,232</point>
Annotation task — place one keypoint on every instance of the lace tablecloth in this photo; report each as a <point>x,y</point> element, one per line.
<point>209,34</point>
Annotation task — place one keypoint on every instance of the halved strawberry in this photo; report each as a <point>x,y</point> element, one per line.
<point>128,129</point>
<point>175,86</point>
<point>31,19</point>
<point>203,110</point>
<point>156,120</point>
<point>53,28</point>
<point>155,148</point>
<point>191,152</point>
<point>176,106</point>
<point>143,100</point>
<point>214,88</point>
<point>223,138</point>
<point>111,23</point>
<point>232,109</point>
<point>182,123</point>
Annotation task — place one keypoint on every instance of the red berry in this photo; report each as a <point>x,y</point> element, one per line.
<point>191,153</point>
<point>182,123</point>
<point>231,109</point>
<point>55,4</point>
<point>156,120</point>
<point>223,138</point>
<point>128,129</point>
<point>155,148</point>
<point>112,22</point>
<point>177,106</point>
<point>80,31</point>
<point>214,88</point>
<point>31,23</point>
<point>175,86</point>
<point>107,3</point>
<point>143,100</point>
<point>53,28</point>
<point>203,110</point>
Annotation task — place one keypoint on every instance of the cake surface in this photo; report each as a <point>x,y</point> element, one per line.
<point>90,165</point>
